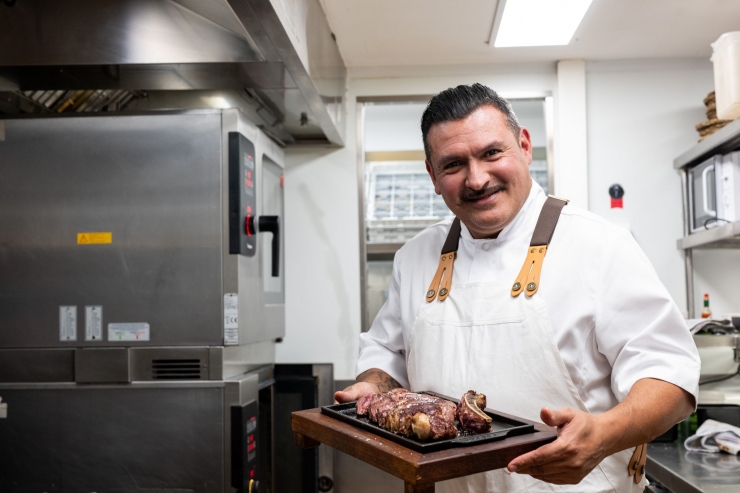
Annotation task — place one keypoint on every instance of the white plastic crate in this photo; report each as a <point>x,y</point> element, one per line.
<point>726,59</point>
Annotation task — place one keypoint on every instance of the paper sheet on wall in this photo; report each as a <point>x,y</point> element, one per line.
<point>231,319</point>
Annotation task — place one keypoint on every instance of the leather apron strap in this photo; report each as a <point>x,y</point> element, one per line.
<point>442,281</point>
<point>529,276</point>
<point>636,466</point>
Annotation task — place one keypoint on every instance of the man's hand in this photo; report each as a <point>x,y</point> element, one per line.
<point>371,381</point>
<point>355,392</point>
<point>577,450</point>
<point>651,407</point>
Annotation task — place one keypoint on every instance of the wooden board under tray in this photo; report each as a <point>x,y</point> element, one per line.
<point>419,470</point>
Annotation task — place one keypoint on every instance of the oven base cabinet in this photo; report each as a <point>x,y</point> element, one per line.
<point>121,440</point>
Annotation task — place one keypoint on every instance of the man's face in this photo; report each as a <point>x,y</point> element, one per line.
<point>481,169</point>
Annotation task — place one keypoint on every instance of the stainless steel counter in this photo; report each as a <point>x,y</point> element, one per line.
<point>682,471</point>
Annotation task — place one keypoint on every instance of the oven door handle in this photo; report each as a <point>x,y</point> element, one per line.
<point>271,224</point>
<point>705,190</point>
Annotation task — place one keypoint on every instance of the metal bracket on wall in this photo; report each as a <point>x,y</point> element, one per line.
<point>3,408</point>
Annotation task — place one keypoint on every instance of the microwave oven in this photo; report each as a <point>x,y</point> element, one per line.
<point>714,192</point>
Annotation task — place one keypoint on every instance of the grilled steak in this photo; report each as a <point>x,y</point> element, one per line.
<point>410,414</point>
<point>424,416</point>
<point>470,413</point>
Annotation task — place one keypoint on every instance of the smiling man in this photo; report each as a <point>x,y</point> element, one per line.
<point>552,312</point>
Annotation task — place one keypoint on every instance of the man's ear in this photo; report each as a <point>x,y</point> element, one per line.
<point>430,170</point>
<point>525,143</point>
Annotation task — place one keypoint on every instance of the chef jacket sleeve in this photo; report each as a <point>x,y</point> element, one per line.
<point>638,326</point>
<point>382,346</point>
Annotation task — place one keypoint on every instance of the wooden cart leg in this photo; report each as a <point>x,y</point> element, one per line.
<point>418,488</point>
<point>305,442</point>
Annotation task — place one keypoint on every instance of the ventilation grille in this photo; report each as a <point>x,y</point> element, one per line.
<point>176,369</point>
<point>80,101</point>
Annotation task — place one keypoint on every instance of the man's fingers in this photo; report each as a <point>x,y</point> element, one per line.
<point>556,467</point>
<point>537,458</point>
<point>345,395</point>
<point>557,418</point>
<point>355,392</point>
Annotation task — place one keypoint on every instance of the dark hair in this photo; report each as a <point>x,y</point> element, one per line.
<point>458,102</point>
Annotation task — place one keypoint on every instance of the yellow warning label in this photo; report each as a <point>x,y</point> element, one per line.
<point>94,238</point>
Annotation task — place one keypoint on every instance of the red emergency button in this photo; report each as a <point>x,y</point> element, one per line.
<point>251,447</point>
<point>248,228</point>
<point>251,473</point>
<point>251,438</point>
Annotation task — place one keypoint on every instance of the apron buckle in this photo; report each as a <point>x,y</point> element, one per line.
<point>529,276</point>
<point>636,466</point>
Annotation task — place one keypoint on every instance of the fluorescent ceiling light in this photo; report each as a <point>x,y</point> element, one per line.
<point>539,22</point>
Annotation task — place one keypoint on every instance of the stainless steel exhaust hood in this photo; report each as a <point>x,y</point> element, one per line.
<point>280,56</point>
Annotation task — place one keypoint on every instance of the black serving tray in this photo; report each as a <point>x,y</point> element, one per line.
<point>502,427</point>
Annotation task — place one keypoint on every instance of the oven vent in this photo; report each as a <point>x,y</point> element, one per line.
<point>176,369</point>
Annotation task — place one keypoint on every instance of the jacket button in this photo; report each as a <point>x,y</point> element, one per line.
<point>531,286</point>
<point>430,293</point>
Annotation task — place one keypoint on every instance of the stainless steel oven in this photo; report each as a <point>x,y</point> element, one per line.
<point>141,295</point>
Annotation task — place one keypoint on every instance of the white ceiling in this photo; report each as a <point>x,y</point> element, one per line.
<point>376,33</point>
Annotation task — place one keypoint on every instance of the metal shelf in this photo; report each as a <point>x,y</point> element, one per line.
<point>380,248</point>
<point>382,251</point>
<point>726,236</point>
<point>724,140</point>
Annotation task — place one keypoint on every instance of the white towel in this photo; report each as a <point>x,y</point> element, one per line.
<point>713,436</point>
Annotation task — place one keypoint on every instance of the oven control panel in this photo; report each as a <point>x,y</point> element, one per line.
<point>242,195</point>
<point>244,440</point>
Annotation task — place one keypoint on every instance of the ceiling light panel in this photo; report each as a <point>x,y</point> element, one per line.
<point>539,22</point>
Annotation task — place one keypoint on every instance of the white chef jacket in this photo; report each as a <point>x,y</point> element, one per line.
<point>612,319</point>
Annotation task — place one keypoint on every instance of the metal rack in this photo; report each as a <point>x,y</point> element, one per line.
<point>723,141</point>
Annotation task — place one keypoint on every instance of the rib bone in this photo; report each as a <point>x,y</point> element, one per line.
<point>470,413</point>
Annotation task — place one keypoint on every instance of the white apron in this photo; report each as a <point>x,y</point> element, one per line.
<point>482,338</point>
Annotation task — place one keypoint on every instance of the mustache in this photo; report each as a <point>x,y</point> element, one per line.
<point>474,195</point>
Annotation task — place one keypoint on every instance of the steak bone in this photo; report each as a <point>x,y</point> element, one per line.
<point>470,413</point>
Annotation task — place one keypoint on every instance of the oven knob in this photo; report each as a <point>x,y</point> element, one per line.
<point>249,225</point>
<point>325,483</point>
